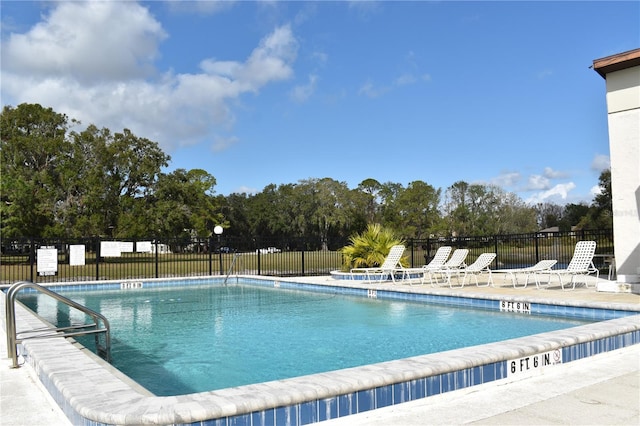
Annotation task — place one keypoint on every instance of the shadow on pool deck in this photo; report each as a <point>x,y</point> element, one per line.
<point>604,389</point>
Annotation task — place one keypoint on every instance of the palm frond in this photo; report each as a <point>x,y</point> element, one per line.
<point>369,248</point>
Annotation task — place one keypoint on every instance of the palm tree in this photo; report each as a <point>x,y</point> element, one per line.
<point>369,248</point>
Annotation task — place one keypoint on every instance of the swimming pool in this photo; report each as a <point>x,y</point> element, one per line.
<point>89,392</point>
<point>187,339</point>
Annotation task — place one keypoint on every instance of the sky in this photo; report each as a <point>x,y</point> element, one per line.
<point>275,92</point>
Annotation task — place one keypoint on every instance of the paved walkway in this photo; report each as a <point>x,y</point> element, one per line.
<point>600,390</point>
<point>23,399</point>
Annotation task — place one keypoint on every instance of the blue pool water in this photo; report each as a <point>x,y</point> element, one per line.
<point>191,339</point>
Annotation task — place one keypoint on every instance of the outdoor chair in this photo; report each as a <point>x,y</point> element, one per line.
<point>454,263</point>
<point>388,267</point>
<point>581,265</point>
<point>441,256</point>
<point>481,265</point>
<point>543,265</point>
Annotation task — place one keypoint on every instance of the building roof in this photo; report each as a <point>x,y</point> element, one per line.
<point>617,62</point>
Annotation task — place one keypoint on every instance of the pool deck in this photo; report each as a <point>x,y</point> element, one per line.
<point>603,389</point>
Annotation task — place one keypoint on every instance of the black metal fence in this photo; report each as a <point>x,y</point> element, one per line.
<point>48,261</point>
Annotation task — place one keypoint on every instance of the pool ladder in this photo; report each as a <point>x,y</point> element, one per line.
<point>14,338</point>
<point>233,262</point>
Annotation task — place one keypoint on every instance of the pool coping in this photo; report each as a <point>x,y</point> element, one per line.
<point>89,393</point>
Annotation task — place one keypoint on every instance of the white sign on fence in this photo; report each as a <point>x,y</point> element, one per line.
<point>109,248</point>
<point>77,255</point>
<point>47,263</point>
<point>143,246</point>
<point>126,246</point>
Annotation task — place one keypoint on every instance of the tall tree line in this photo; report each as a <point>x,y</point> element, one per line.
<point>56,181</point>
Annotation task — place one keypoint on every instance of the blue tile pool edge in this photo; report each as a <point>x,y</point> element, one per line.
<point>94,396</point>
<point>588,310</point>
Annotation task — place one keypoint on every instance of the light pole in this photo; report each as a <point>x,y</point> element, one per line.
<point>218,231</point>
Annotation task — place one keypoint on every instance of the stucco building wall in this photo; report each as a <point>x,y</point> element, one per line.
<point>622,74</point>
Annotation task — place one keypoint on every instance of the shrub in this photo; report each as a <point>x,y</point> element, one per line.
<point>369,248</point>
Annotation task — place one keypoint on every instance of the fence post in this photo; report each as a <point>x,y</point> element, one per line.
<point>412,251</point>
<point>220,257</point>
<point>303,262</point>
<point>32,257</point>
<point>157,258</point>
<point>258,254</point>
<point>209,245</point>
<point>97,243</point>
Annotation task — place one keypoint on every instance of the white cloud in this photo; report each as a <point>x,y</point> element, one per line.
<point>270,61</point>
<point>94,61</point>
<point>506,179</point>
<point>595,190</point>
<point>304,14</point>
<point>304,92</point>
<point>320,57</point>
<point>200,7</point>
<point>371,91</point>
<point>220,143</point>
<point>365,10</point>
<point>558,192</point>
<point>543,181</point>
<point>554,174</point>
<point>537,182</point>
<point>405,79</point>
<point>89,42</point>
<point>600,162</point>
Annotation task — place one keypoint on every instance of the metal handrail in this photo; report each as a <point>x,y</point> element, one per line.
<point>233,262</point>
<point>47,332</point>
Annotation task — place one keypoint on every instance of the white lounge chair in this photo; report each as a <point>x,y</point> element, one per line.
<point>543,265</point>
<point>439,259</point>
<point>581,264</point>
<point>454,263</point>
<point>388,267</point>
<point>478,267</point>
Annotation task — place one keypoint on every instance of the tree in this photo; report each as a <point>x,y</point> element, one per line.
<point>234,210</point>
<point>418,210</point>
<point>457,212</point>
<point>272,212</point>
<point>474,209</point>
<point>548,215</point>
<point>181,203</point>
<point>115,172</point>
<point>515,216</point>
<point>600,215</point>
<point>389,193</point>
<point>34,153</point>
<point>326,204</point>
<point>602,200</point>
<point>371,189</point>
<point>572,214</point>
<point>56,183</point>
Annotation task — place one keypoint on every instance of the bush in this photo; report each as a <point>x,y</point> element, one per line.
<point>370,248</point>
